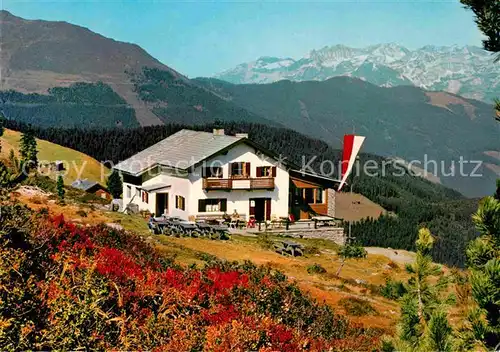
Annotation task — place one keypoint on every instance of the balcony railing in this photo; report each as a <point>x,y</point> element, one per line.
<point>238,183</point>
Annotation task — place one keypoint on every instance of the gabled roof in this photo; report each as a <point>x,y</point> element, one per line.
<point>84,184</point>
<point>155,187</point>
<point>317,178</point>
<point>181,150</point>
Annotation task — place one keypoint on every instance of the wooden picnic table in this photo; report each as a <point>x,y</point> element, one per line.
<point>221,231</point>
<point>289,247</point>
<point>189,228</point>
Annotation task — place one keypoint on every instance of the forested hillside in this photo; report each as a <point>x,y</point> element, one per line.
<point>415,201</point>
<point>175,99</point>
<point>79,105</point>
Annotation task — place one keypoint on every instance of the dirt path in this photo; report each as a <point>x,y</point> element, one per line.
<point>399,256</point>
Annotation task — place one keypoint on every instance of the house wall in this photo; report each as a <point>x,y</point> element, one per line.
<point>191,186</point>
<point>305,211</point>
<point>133,198</point>
<point>240,199</point>
<point>331,202</point>
<point>103,194</point>
<point>178,186</point>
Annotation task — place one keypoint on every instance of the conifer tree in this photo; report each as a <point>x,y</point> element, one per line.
<point>114,183</point>
<point>497,109</point>
<point>60,188</point>
<point>28,149</point>
<point>483,256</point>
<point>14,162</point>
<point>487,17</point>
<point>4,175</point>
<point>497,193</point>
<point>1,129</point>
<point>424,324</point>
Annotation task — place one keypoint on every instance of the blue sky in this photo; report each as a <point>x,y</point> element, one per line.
<point>204,38</point>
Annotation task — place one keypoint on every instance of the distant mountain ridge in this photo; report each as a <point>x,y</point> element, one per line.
<point>468,71</point>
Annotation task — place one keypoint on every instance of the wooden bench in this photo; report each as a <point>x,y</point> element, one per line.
<point>210,218</point>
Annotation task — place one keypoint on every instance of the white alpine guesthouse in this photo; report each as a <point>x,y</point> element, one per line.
<point>195,174</point>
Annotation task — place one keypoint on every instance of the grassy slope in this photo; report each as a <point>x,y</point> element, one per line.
<point>48,152</point>
<point>354,207</point>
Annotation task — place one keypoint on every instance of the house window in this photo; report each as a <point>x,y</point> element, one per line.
<point>319,196</point>
<point>309,195</point>
<point>266,171</point>
<point>212,205</point>
<point>137,192</point>
<point>180,202</point>
<point>145,197</point>
<point>129,191</point>
<point>238,169</point>
<point>213,171</point>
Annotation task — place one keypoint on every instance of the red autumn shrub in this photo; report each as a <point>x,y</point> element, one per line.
<point>71,287</point>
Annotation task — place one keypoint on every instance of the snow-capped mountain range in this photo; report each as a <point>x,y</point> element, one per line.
<point>468,71</point>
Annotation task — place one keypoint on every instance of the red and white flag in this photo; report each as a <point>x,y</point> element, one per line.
<point>352,145</point>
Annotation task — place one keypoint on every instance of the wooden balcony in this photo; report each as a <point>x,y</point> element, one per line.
<point>238,183</point>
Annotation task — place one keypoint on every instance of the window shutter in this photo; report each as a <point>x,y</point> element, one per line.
<point>204,172</point>
<point>247,169</point>
<point>274,171</point>
<point>223,205</point>
<point>259,171</point>
<point>230,169</point>
<point>201,205</point>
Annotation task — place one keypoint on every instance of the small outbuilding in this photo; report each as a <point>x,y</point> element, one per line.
<point>92,187</point>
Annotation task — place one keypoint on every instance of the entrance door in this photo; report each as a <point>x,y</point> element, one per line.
<point>161,203</point>
<point>260,208</point>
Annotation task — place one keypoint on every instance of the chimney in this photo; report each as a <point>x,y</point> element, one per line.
<point>218,132</point>
<point>241,135</point>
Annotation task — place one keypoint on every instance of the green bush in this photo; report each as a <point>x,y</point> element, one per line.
<point>265,242</point>
<point>82,213</point>
<point>316,269</point>
<point>43,182</point>
<point>393,289</point>
<point>311,250</point>
<point>353,250</point>
<point>357,307</point>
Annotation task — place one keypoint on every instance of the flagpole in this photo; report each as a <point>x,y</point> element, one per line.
<point>352,181</point>
<point>349,236</point>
